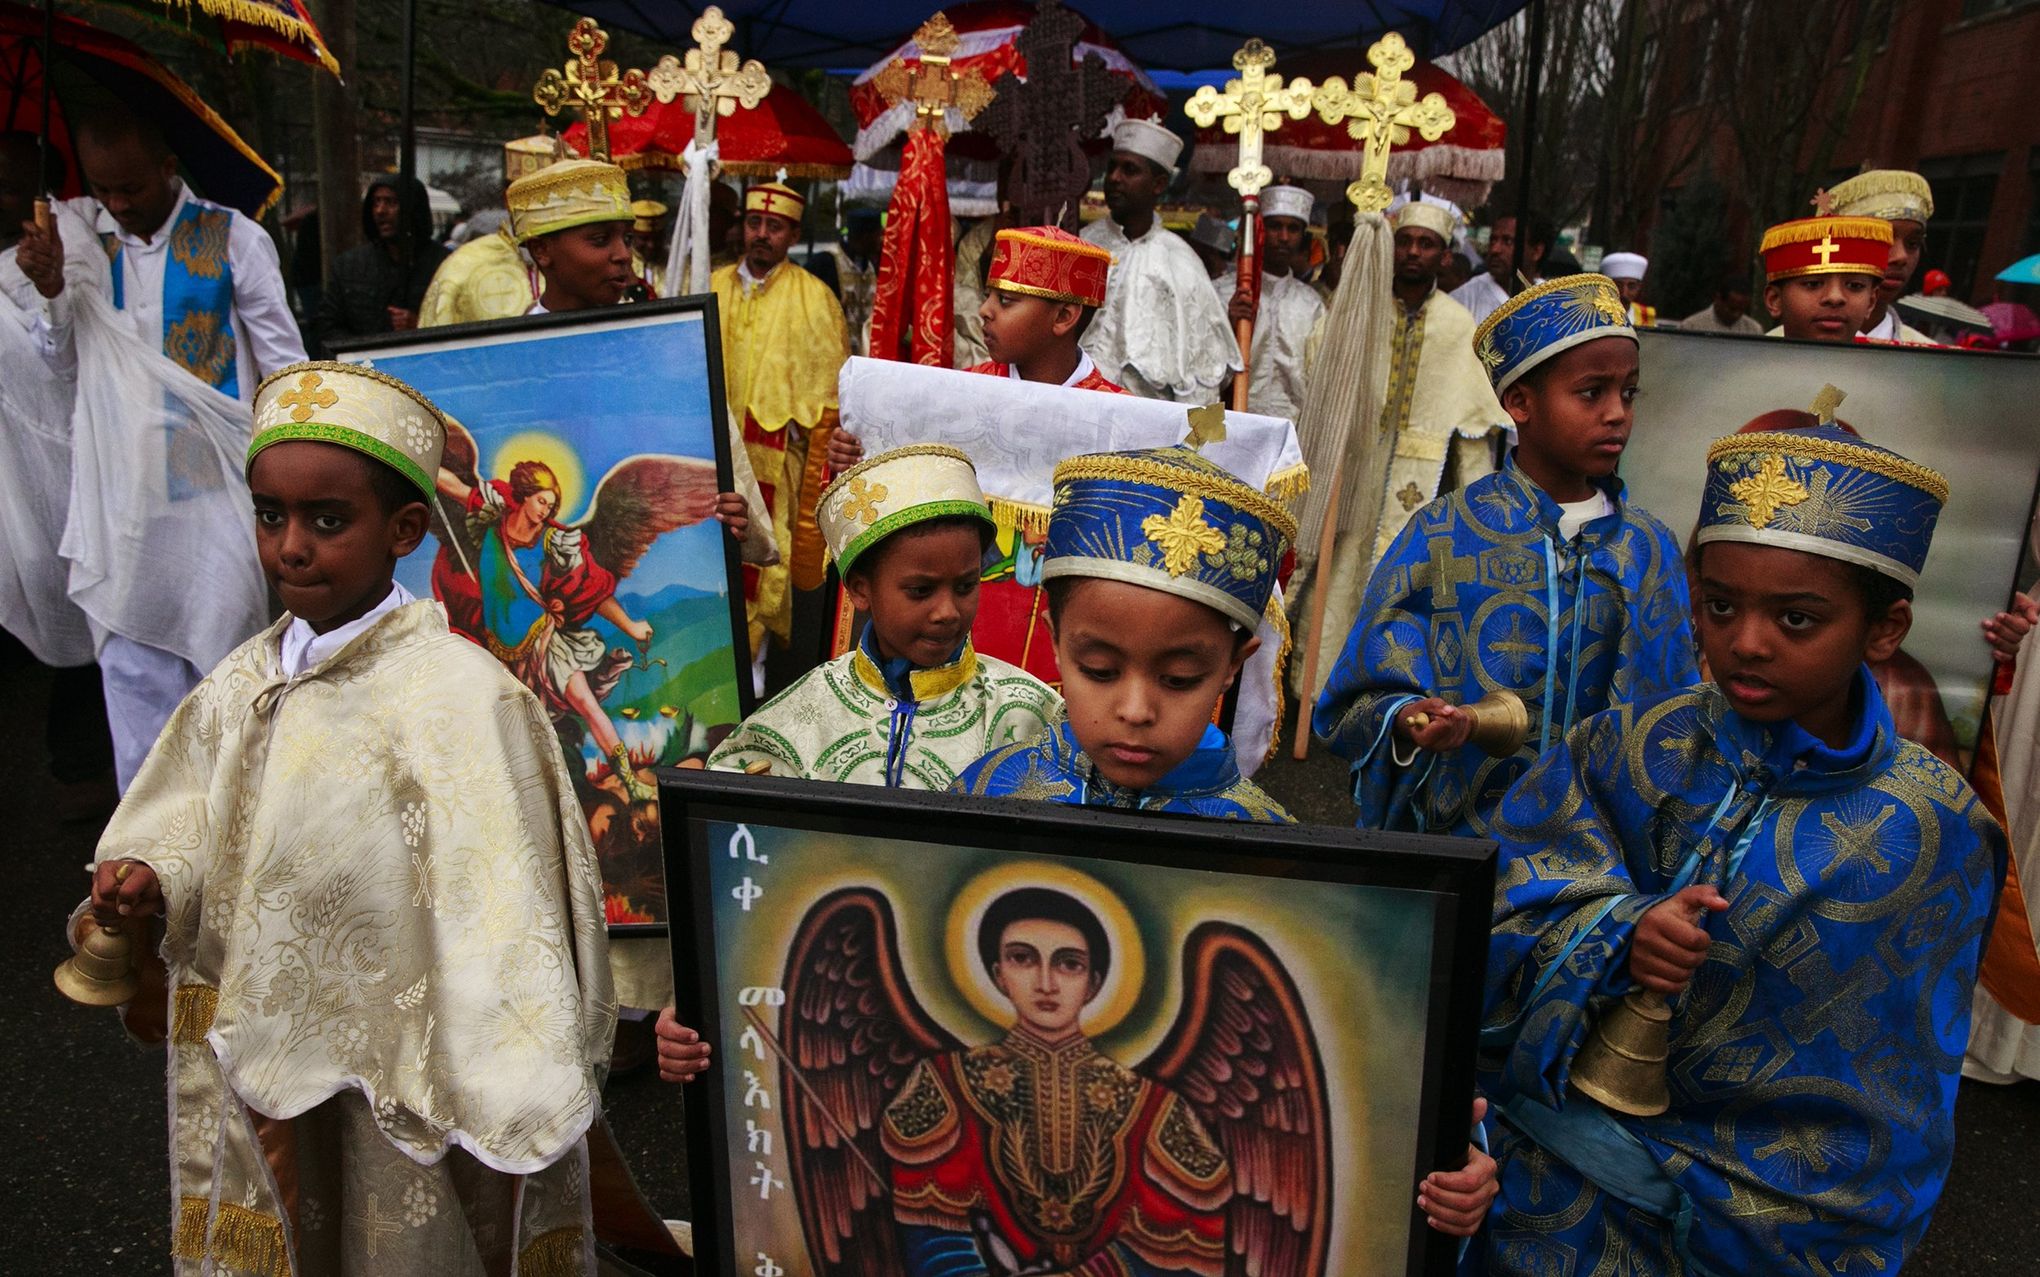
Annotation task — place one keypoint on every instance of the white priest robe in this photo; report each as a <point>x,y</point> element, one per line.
<point>1161,333</point>
<point>388,998</point>
<point>1284,323</point>
<point>2002,1047</point>
<point>35,483</point>
<point>1444,420</point>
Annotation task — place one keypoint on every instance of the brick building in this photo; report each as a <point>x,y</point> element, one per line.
<point>1952,93</point>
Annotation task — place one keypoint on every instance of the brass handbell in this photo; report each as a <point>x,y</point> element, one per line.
<point>1621,1065</point>
<point>1501,723</point>
<point>102,972</point>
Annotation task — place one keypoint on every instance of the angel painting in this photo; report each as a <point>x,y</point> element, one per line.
<point>527,587</point>
<point>1038,1154</point>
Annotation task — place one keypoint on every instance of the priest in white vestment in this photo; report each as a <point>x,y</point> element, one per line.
<point>167,310</point>
<point>1440,416</point>
<point>1161,332</point>
<point>1289,311</point>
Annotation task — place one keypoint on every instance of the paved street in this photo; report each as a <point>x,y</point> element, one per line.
<point>85,1132</point>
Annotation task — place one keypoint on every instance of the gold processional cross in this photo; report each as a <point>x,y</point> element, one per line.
<point>591,85</point>
<point>711,80</point>
<point>1383,108</point>
<point>934,86</point>
<point>1251,106</point>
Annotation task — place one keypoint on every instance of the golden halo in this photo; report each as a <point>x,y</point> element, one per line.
<point>1123,983</point>
<point>556,454</point>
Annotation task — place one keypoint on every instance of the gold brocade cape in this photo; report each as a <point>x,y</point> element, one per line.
<point>484,278</point>
<point>1440,416</point>
<point>782,347</point>
<point>378,891</point>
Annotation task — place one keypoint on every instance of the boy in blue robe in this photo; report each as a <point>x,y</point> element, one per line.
<point>1539,580</point>
<point>1158,568</point>
<point>1810,890</point>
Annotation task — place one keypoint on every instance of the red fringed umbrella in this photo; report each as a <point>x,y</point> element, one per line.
<point>1460,166</point>
<point>781,132</point>
<point>988,32</point>
<point>284,27</point>
<point>222,167</point>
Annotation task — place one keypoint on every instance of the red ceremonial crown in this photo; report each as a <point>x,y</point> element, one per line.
<point>1047,261</point>
<point>1827,246</point>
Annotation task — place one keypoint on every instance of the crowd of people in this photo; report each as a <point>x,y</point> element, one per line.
<point>378,915</point>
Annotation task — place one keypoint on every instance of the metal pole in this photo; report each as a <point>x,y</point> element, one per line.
<point>1536,77</point>
<point>407,135</point>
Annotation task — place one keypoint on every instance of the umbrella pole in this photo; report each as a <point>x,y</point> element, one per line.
<point>1535,82</point>
<point>407,142</point>
<point>44,219</point>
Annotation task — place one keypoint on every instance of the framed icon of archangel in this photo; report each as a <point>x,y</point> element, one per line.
<point>575,537</point>
<point>1013,1038</point>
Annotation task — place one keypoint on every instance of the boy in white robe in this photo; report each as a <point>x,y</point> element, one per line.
<point>389,1004</point>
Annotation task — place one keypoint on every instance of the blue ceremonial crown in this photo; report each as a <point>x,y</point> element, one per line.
<point>1826,492</point>
<point>1169,520</point>
<point>1545,319</point>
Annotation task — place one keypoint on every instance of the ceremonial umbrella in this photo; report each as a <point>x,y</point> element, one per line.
<point>781,132</point>
<point>284,27</point>
<point>1156,33</point>
<point>1947,309</point>
<point>1461,165</point>
<point>988,34</point>
<point>93,68</point>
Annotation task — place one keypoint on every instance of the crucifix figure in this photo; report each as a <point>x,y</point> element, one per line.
<point>1041,123</point>
<point>932,84</point>
<point>711,80</point>
<point>591,85</point>
<point>1383,108</point>
<point>1251,106</point>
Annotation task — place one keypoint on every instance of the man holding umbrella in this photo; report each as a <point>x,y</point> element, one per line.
<point>167,310</point>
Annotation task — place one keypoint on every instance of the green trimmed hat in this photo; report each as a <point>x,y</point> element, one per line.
<point>356,407</point>
<point>870,501</point>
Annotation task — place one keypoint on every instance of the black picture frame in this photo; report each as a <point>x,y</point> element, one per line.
<point>381,347</point>
<point>1456,874</point>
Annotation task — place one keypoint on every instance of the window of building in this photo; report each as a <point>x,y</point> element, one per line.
<point>1964,187</point>
<point>2032,244</point>
<point>1984,8</point>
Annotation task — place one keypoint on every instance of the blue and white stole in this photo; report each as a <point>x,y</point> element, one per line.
<point>198,295</point>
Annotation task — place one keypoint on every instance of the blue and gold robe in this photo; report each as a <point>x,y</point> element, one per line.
<point>1054,768</point>
<point>1814,1058</point>
<point>1479,592</point>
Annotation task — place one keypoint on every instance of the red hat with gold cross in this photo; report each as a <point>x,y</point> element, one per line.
<point>1047,261</point>
<point>779,200</point>
<point>1826,246</point>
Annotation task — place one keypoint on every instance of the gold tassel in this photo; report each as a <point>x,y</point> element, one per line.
<point>196,1005</point>
<point>249,1240</point>
<point>1289,484</point>
<point>189,1243</point>
<point>554,1254</point>
<point>1814,229</point>
<point>1019,514</point>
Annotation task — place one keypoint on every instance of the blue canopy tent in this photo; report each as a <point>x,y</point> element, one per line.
<point>1165,35</point>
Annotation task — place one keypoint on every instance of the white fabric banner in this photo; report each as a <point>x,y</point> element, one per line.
<point>1016,431</point>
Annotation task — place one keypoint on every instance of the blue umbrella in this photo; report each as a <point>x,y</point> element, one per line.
<point>2024,271</point>
<point>1156,34</point>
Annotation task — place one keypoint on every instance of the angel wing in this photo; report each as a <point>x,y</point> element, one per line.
<point>641,500</point>
<point>460,458</point>
<point>853,1030</point>
<point>1242,1053</point>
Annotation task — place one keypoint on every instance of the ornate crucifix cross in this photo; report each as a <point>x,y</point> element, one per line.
<point>1252,105</point>
<point>933,85</point>
<point>1042,121</point>
<point>1384,108</point>
<point>591,85</point>
<point>711,80</point>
